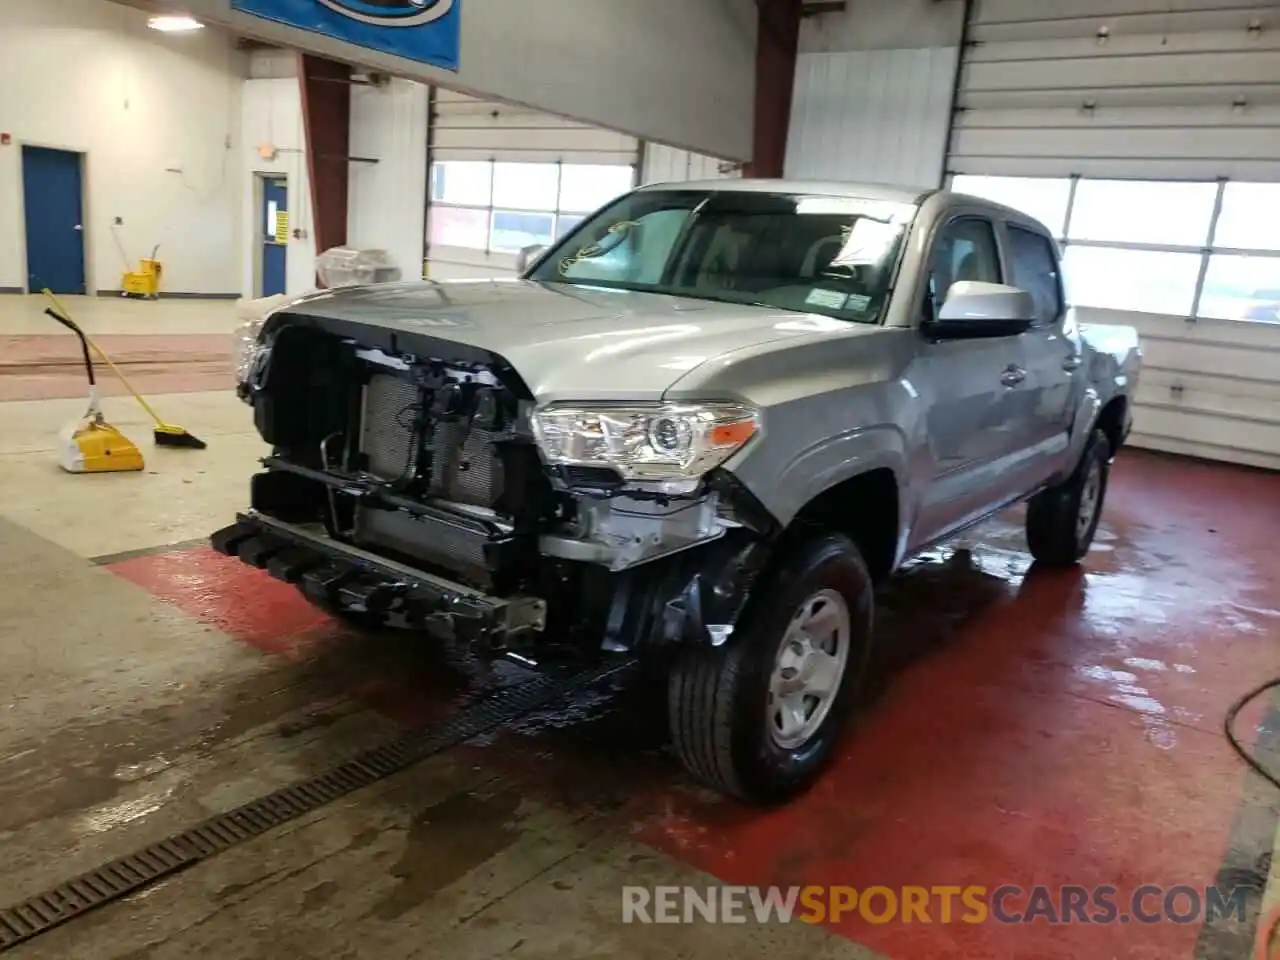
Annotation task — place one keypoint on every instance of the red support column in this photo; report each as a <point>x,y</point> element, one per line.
<point>326,113</point>
<point>777,41</point>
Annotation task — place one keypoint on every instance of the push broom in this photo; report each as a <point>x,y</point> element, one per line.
<point>167,434</point>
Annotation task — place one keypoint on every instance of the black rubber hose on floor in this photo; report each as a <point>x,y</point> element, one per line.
<point>1228,725</point>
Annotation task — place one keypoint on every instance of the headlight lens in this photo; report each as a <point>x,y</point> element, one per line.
<point>660,442</point>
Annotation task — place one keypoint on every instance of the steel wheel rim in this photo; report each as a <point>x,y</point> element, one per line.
<point>808,668</point>
<point>1089,497</point>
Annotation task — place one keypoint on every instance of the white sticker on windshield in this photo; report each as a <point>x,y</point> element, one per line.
<point>858,303</point>
<point>831,299</point>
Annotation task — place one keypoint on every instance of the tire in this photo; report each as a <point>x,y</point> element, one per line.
<point>725,722</point>
<point>1062,520</point>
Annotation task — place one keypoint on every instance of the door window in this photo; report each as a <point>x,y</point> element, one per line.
<point>965,249</point>
<point>1035,269</point>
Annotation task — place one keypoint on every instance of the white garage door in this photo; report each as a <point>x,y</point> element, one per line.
<point>670,165</point>
<point>505,177</point>
<point>1146,133</point>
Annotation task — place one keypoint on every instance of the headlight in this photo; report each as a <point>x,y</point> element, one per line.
<point>661,442</point>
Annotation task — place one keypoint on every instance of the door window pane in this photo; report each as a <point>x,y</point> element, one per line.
<point>1038,197</point>
<point>1250,217</point>
<point>587,187</point>
<point>525,186</point>
<point>1035,269</point>
<point>1131,279</point>
<point>467,182</point>
<point>459,227</point>
<point>1137,211</point>
<point>1242,288</point>
<point>965,249</point>
<point>513,231</point>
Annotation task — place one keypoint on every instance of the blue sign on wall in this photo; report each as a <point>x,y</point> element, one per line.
<point>423,30</point>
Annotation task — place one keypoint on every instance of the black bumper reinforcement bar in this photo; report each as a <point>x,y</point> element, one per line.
<point>340,575</point>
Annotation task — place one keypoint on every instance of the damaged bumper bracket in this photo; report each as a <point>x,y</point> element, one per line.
<point>342,576</point>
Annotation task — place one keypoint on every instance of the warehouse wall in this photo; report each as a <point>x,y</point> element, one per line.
<point>272,116</point>
<point>386,206</point>
<point>873,92</point>
<point>140,105</point>
<point>672,71</point>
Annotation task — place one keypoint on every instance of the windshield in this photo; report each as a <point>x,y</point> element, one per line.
<point>833,256</point>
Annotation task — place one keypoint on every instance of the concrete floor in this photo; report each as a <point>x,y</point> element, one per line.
<point>1028,727</point>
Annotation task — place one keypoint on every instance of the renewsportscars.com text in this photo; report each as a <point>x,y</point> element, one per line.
<point>1007,903</point>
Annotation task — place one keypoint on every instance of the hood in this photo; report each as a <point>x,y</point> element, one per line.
<point>570,342</point>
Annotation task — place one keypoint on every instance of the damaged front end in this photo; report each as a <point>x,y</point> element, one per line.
<point>414,481</point>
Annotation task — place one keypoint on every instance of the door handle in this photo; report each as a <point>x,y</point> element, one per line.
<point>1072,363</point>
<point>1013,376</point>
<point>79,226</point>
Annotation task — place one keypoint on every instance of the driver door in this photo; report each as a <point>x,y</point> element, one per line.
<point>967,388</point>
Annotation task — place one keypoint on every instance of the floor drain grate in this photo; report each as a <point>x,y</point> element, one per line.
<point>29,919</point>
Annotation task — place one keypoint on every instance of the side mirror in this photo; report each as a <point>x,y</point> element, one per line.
<point>977,309</point>
<point>528,255</point>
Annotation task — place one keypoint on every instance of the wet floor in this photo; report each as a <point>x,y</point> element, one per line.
<point>1021,727</point>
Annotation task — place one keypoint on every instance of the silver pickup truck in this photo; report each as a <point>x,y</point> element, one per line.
<point>699,430</point>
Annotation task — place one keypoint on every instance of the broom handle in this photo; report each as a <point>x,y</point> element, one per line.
<point>114,369</point>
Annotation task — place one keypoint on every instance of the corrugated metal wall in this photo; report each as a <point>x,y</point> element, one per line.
<point>1070,92</point>
<point>872,115</point>
<point>386,200</point>
<point>1178,89</point>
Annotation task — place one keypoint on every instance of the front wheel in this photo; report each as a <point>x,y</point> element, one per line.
<point>759,716</point>
<point>1062,520</point>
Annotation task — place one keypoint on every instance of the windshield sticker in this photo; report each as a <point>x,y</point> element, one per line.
<point>831,299</point>
<point>612,239</point>
<point>858,303</point>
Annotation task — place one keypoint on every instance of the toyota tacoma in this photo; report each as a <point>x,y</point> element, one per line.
<point>697,431</point>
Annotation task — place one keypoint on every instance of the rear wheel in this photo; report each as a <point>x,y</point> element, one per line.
<point>1062,520</point>
<point>759,716</point>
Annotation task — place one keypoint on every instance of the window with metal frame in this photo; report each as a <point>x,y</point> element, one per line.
<point>505,207</point>
<point>1197,249</point>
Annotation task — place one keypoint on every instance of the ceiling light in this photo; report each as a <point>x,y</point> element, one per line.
<point>179,23</point>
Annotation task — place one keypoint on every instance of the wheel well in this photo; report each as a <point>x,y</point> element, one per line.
<point>1111,422</point>
<point>865,508</point>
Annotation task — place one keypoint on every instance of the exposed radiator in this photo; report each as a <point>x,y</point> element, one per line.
<point>462,457</point>
<point>457,545</point>
<point>465,471</point>
<point>391,408</point>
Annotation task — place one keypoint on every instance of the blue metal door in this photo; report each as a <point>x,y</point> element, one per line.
<point>53,199</point>
<point>274,216</point>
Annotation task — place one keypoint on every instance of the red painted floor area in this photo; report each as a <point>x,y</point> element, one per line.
<point>1064,729</point>
<point>1036,727</point>
<point>39,366</point>
<point>273,617</point>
